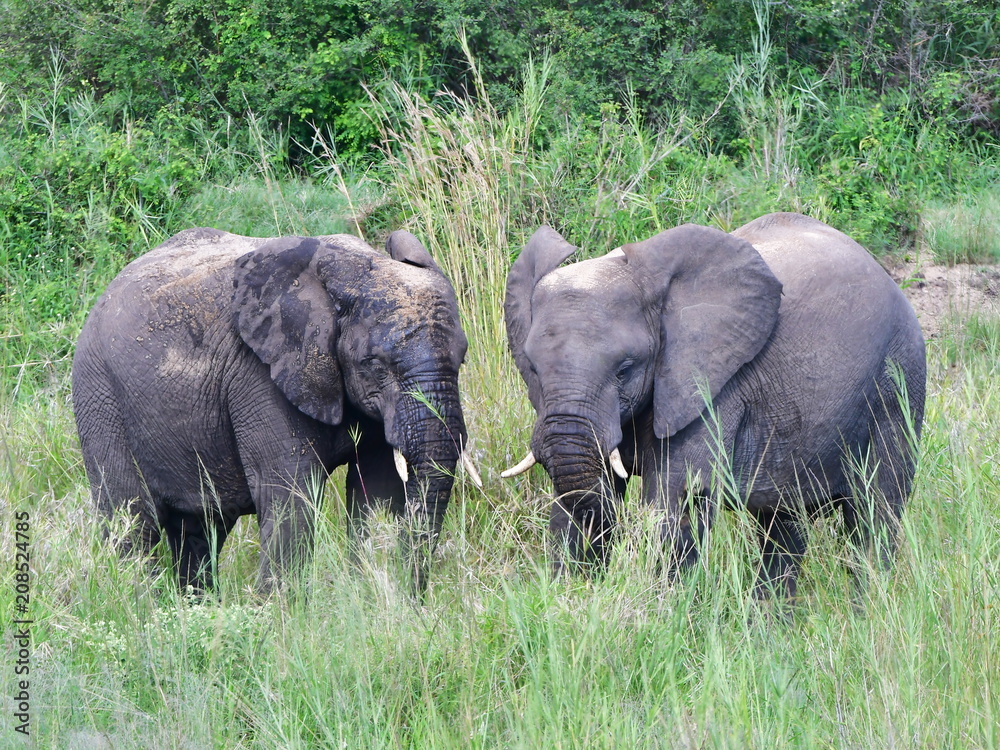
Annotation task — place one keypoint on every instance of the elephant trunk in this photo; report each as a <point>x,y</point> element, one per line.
<point>432,435</point>
<point>585,488</point>
<point>571,451</point>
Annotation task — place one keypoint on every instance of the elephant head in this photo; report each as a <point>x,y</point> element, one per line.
<point>349,332</point>
<point>641,335</point>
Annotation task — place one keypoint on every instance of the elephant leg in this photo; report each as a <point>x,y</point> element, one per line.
<point>896,464</point>
<point>870,527</point>
<point>286,461</point>
<point>145,535</point>
<point>684,530</point>
<point>882,485</point>
<point>195,542</point>
<point>286,514</point>
<point>783,544</point>
<point>871,523</point>
<point>115,480</point>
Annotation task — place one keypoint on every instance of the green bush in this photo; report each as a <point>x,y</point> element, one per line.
<point>291,63</point>
<point>298,64</point>
<point>91,184</point>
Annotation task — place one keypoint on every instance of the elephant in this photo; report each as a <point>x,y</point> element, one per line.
<point>220,376</point>
<point>778,369</point>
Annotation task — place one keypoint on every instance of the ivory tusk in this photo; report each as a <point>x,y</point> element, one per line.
<point>522,467</point>
<point>470,469</point>
<point>400,462</point>
<point>617,465</point>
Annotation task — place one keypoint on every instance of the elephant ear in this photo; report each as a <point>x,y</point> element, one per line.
<point>718,306</point>
<point>544,252</point>
<point>404,247</point>
<point>285,314</point>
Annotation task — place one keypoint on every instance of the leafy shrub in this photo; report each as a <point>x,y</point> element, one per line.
<point>298,64</point>
<point>77,196</point>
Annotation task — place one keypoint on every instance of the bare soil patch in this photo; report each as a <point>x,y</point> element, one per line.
<point>939,293</point>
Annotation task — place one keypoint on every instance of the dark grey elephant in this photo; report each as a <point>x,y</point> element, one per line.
<point>222,375</point>
<point>798,336</point>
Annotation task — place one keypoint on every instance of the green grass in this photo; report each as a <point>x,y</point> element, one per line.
<point>964,231</point>
<point>499,655</point>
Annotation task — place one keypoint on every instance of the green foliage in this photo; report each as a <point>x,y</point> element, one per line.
<point>77,195</point>
<point>290,63</point>
<point>299,64</point>
<point>90,182</point>
<point>970,337</point>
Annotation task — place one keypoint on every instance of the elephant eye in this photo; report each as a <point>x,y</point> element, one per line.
<point>625,370</point>
<point>378,370</point>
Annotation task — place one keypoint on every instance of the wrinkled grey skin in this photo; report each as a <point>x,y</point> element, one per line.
<point>793,330</point>
<point>222,375</point>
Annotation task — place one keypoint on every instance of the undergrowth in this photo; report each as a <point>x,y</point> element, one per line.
<point>501,655</point>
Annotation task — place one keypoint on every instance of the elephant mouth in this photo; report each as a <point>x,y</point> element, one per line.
<point>572,446</point>
<point>614,461</point>
<point>426,430</point>
<point>464,459</point>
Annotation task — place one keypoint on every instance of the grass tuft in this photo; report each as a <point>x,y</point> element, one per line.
<point>965,231</point>
<point>501,655</point>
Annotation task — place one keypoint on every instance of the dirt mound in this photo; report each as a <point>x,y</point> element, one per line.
<point>941,292</point>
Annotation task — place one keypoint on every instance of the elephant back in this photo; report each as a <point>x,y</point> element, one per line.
<point>825,273</point>
<point>843,328</point>
<point>192,258</point>
<point>184,283</point>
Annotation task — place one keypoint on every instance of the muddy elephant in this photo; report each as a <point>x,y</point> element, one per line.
<point>220,375</point>
<point>810,356</point>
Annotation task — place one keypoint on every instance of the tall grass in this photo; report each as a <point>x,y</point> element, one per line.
<point>464,177</point>
<point>964,231</point>
<point>474,183</point>
<point>501,655</point>
<point>770,110</point>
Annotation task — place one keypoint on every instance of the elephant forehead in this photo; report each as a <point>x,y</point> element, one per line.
<point>411,302</point>
<point>604,279</point>
<point>345,241</point>
<point>410,292</point>
<point>411,280</point>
